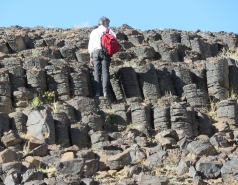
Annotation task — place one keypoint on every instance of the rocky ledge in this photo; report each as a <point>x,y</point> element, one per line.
<point>171,117</point>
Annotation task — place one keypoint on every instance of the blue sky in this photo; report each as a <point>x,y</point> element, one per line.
<point>189,15</point>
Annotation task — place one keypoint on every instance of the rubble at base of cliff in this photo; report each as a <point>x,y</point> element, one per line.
<point>171,117</point>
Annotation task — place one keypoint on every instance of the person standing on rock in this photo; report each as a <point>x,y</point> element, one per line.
<point>100,61</point>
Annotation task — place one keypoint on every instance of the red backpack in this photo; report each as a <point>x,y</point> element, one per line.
<point>109,43</point>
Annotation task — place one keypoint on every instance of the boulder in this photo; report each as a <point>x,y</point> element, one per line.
<point>40,124</point>
<point>91,166</point>
<point>74,167</point>
<point>118,161</point>
<point>183,167</point>
<point>230,170</point>
<point>156,159</point>
<point>152,180</point>
<point>15,41</point>
<point>137,154</point>
<point>32,174</point>
<point>11,138</point>
<point>208,169</point>
<point>8,156</point>
<point>201,147</point>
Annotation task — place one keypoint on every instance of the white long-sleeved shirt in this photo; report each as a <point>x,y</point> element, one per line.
<point>95,38</point>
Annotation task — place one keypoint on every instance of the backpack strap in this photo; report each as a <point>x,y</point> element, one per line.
<point>107,30</point>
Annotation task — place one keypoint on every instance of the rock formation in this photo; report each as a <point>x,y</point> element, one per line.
<point>171,116</point>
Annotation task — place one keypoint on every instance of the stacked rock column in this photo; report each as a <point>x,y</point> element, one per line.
<point>227,112</point>
<point>5,92</point>
<point>57,80</point>
<point>218,78</point>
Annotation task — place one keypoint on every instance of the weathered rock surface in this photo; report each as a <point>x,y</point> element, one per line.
<point>40,124</point>
<point>172,102</point>
<point>118,161</point>
<point>208,169</point>
<point>201,147</point>
<point>218,78</point>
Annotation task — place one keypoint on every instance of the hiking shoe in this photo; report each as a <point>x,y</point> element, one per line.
<point>106,95</point>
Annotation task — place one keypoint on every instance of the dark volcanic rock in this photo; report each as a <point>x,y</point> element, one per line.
<point>155,160</point>
<point>11,138</point>
<point>229,170</point>
<point>181,77</point>
<point>167,53</point>
<point>144,52</point>
<point>40,124</point>
<point>79,82</point>
<point>183,167</point>
<point>164,89</point>
<point>16,42</point>
<point>5,88</point>
<point>36,80</point>
<point>116,85</point>
<point>18,121</point>
<point>141,116</point>
<point>148,81</point>
<point>57,78</point>
<point>94,121</point>
<point>180,119</point>
<point>61,125</point>
<point>204,123</point>
<point>31,174</point>
<point>129,82</point>
<point>79,135</point>
<point>121,115</point>
<point>171,37</point>
<point>4,123</point>
<point>201,147</point>
<point>74,167</point>
<point>208,169</point>
<point>118,161</point>
<point>7,155</point>
<point>233,70</point>
<point>197,98</point>
<point>218,78</point>
<point>82,104</point>
<point>227,112</point>
<point>162,118</point>
<point>152,180</point>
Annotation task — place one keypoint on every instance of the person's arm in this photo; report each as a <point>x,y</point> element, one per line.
<point>111,32</point>
<point>90,48</point>
<point>90,44</point>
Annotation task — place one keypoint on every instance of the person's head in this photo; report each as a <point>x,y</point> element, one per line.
<point>104,21</point>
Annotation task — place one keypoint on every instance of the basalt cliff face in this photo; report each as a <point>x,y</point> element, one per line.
<point>171,117</point>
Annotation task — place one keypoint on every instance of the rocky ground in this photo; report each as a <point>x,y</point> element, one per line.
<point>171,118</point>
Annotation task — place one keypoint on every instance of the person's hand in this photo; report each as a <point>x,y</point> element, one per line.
<point>91,61</point>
